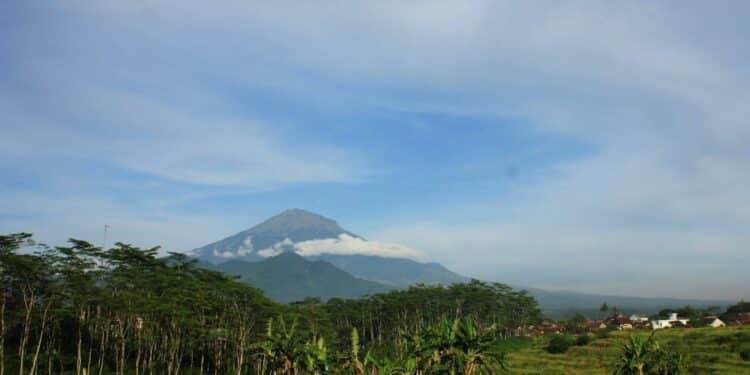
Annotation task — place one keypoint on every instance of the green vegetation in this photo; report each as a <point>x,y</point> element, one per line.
<point>560,344</point>
<point>744,351</point>
<point>639,357</point>
<point>82,309</point>
<point>705,351</point>
<point>583,340</point>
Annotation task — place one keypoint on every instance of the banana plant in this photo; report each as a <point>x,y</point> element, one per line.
<point>315,357</point>
<point>385,366</point>
<point>459,346</point>
<point>642,357</point>
<point>352,363</point>
<point>281,347</point>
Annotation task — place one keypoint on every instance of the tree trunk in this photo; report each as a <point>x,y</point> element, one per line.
<point>28,302</point>
<point>92,330</point>
<point>138,354</point>
<point>102,348</point>
<point>121,328</point>
<point>40,339</point>
<point>240,350</point>
<point>2,332</point>
<point>79,346</point>
<point>151,346</point>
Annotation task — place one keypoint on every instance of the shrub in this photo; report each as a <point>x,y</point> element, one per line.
<point>603,333</point>
<point>559,344</point>
<point>640,356</point>
<point>583,340</point>
<point>744,351</point>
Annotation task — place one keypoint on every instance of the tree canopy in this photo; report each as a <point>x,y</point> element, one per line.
<point>82,309</point>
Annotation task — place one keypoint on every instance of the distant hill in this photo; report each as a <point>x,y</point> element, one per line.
<point>289,277</point>
<point>562,304</point>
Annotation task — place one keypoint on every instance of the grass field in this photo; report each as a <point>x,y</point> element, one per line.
<point>708,351</point>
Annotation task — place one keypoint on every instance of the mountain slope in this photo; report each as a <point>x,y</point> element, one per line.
<point>290,277</point>
<point>394,271</point>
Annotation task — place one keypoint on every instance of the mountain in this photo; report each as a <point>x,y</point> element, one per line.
<point>278,232</point>
<point>297,230</point>
<point>290,277</point>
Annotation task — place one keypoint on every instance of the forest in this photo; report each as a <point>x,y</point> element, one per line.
<point>81,309</point>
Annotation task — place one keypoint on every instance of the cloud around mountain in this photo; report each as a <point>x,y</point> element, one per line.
<point>345,244</point>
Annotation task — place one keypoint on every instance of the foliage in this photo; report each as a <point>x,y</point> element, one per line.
<point>83,309</point>
<point>700,345</point>
<point>583,340</point>
<point>576,324</point>
<point>739,307</point>
<point>744,351</point>
<point>641,357</point>
<point>559,344</point>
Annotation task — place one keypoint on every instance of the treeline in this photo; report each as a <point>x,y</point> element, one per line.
<point>81,309</point>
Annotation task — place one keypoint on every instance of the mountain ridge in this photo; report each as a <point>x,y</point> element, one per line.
<point>290,277</point>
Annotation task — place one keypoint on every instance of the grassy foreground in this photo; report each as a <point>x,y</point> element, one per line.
<point>708,350</point>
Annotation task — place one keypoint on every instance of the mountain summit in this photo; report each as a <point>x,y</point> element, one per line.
<point>316,237</point>
<point>299,225</point>
<point>272,236</point>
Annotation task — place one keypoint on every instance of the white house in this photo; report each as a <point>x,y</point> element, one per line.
<point>638,318</point>
<point>714,322</point>
<point>668,323</point>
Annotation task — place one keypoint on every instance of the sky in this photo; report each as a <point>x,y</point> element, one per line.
<point>587,146</point>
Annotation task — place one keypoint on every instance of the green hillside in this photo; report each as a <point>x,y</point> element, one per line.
<point>708,351</point>
<point>394,271</point>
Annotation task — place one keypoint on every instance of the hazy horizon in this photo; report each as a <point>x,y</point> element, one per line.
<point>589,147</point>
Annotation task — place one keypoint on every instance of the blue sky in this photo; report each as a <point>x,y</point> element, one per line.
<point>583,146</point>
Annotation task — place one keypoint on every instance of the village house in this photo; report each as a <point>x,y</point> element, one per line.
<point>545,328</point>
<point>625,326</point>
<point>672,321</point>
<point>595,325</point>
<point>620,321</point>
<point>713,321</point>
<point>743,318</point>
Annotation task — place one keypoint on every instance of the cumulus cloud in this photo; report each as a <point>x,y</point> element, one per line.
<point>348,245</point>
